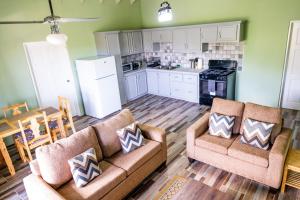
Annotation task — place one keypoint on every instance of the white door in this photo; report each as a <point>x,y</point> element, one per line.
<point>142,83</point>
<point>152,81</point>
<point>291,92</point>
<point>124,44</point>
<point>193,39</point>
<point>228,33</point>
<point>156,36</point>
<point>137,42</point>
<point>179,40</point>
<point>131,86</point>
<point>166,36</point>
<point>147,40</point>
<point>52,74</point>
<point>164,84</point>
<point>209,34</point>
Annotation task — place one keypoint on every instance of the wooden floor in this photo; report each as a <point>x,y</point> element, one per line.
<point>174,116</point>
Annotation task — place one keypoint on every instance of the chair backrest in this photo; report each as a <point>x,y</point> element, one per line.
<point>15,109</point>
<point>65,108</point>
<point>38,124</point>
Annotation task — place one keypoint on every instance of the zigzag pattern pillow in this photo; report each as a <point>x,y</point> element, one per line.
<point>257,134</point>
<point>221,125</point>
<point>130,137</point>
<point>84,167</point>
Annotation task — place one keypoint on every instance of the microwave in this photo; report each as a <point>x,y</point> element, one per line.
<point>127,67</point>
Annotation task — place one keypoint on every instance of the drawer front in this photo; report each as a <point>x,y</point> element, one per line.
<point>176,77</point>
<point>190,79</point>
<point>177,90</point>
<point>191,92</point>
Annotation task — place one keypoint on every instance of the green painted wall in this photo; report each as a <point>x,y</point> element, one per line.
<point>15,80</point>
<point>266,36</point>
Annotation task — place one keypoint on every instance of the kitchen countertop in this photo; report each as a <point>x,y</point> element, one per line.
<point>181,69</point>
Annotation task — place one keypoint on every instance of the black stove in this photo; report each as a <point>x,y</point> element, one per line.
<point>218,81</point>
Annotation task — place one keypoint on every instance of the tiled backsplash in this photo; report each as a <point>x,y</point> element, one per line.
<point>216,51</point>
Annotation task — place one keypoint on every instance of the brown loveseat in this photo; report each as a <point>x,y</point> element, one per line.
<point>51,177</point>
<point>229,154</point>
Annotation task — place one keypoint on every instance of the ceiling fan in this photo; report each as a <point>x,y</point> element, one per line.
<point>55,37</point>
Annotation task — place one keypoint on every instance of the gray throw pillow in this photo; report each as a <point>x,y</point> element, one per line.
<point>130,137</point>
<point>257,134</point>
<point>84,167</point>
<point>221,125</point>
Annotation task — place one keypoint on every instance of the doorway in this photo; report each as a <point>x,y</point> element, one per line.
<point>290,98</point>
<point>52,75</point>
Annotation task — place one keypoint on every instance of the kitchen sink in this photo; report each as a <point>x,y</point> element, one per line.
<point>166,67</point>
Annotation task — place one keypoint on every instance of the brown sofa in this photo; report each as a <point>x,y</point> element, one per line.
<point>51,177</point>
<point>229,154</point>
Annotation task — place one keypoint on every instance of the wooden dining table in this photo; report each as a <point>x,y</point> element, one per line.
<point>9,127</point>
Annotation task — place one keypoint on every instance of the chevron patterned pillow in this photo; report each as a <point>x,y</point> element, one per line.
<point>221,125</point>
<point>84,167</point>
<point>257,134</point>
<point>130,137</point>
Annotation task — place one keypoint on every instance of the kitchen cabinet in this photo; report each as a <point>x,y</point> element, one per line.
<point>186,40</point>
<point>131,43</point>
<point>131,86</point>
<point>209,34</point>
<point>147,41</point>
<point>142,83</point>
<point>107,43</point>
<point>164,84</point>
<point>152,81</point>
<point>162,36</point>
<point>136,84</point>
<point>228,33</point>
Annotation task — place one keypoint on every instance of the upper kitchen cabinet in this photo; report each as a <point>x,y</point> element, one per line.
<point>107,43</point>
<point>209,34</point>
<point>229,33</point>
<point>131,42</point>
<point>147,41</point>
<point>186,40</point>
<point>161,36</point>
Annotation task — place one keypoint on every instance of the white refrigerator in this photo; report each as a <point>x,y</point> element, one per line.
<point>99,85</point>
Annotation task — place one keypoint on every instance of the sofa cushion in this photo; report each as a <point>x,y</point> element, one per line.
<point>111,176</point>
<point>131,138</point>
<point>221,125</point>
<point>107,132</point>
<point>133,160</point>
<point>248,153</point>
<point>84,167</point>
<point>230,108</point>
<point>257,134</point>
<point>214,143</point>
<point>264,114</point>
<point>53,158</point>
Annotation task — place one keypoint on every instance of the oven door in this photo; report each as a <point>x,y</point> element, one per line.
<point>209,91</point>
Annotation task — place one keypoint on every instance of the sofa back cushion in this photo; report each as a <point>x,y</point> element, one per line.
<point>230,108</point>
<point>264,114</point>
<point>107,132</point>
<point>53,158</point>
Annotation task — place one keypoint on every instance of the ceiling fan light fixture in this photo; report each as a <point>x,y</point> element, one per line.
<point>165,12</point>
<point>57,38</point>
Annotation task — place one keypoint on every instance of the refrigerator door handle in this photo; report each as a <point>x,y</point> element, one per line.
<point>105,77</point>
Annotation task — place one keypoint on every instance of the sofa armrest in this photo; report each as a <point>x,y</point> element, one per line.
<point>194,131</point>
<point>156,134</point>
<point>277,157</point>
<point>37,188</point>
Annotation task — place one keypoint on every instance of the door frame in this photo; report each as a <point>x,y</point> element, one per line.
<point>285,66</point>
<point>77,104</point>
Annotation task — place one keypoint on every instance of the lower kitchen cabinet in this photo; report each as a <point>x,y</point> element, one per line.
<point>135,84</point>
<point>164,84</point>
<point>152,80</point>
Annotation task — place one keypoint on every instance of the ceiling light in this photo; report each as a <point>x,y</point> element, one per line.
<point>57,39</point>
<point>165,12</point>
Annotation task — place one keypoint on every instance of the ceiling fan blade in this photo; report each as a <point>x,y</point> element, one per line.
<point>67,20</point>
<point>21,22</point>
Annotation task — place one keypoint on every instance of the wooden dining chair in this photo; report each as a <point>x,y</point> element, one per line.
<point>56,125</point>
<point>15,109</point>
<point>65,109</point>
<point>34,132</point>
